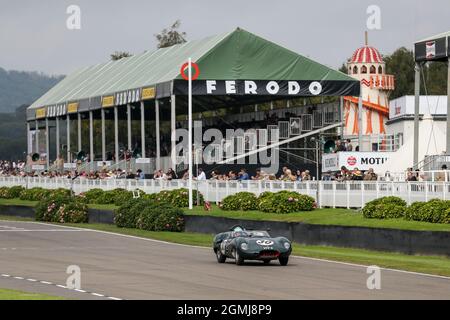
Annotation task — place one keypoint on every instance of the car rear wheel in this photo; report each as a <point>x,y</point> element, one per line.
<point>238,258</point>
<point>220,257</point>
<point>283,260</point>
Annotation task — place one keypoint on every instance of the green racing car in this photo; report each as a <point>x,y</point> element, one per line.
<point>241,244</point>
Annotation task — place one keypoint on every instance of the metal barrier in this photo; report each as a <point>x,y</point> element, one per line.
<point>348,194</point>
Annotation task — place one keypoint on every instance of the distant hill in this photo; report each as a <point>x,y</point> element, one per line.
<point>20,87</point>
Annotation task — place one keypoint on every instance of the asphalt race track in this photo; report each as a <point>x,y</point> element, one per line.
<point>34,257</point>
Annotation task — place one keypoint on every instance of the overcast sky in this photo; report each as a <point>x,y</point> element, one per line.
<point>33,34</point>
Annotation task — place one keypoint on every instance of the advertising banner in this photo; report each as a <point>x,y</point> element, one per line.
<point>351,160</point>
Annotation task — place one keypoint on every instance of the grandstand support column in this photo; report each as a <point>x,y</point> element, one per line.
<point>416,114</point>
<point>57,138</point>
<point>341,115</point>
<point>102,112</point>
<point>360,124</point>
<point>47,143</point>
<point>91,138</point>
<point>143,129</point>
<point>79,132</point>
<point>36,136</point>
<point>116,134</point>
<point>447,151</point>
<point>68,137</point>
<point>29,147</point>
<point>173,137</point>
<point>158,138</point>
<point>129,127</point>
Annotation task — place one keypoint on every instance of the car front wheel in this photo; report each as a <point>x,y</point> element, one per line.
<point>238,258</point>
<point>220,257</point>
<point>283,260</point>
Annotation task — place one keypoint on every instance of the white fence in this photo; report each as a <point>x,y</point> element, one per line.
<point>349,194</point>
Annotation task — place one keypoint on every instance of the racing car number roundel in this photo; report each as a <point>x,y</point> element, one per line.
<point>265,242</point>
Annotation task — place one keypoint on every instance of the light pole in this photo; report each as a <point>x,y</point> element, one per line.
<point>317,151</point>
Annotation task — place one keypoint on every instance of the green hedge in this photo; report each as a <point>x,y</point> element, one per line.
<point>92,195</point>
<point>11,193</point>
<point>178,198</point>
<point>34,194</point>
<point>149,215</point>
<point>240,201</point>
<point>116,197</point>
<point>434,211</point>
<point>285,202</point>
<point>128,213</point>
<point>62,209</point>
<point>385,208</point>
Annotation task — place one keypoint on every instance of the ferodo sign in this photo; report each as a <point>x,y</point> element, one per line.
<point>352,160</point>
<point>267,87</point>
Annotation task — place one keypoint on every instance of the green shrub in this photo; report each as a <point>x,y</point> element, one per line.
<point>168,219</point>
<point>161,217</point>
<point>385,208</point>
<point>4,193</point>
<point>121,196</point>
<point>434,211</point>
<point>59,192</point>
<point>389,211</point>
<point>240,201</point>
<point>413,211</point>
<point>128,213</point>
<point>62,209</point>
<point>178,198</point>
<point>92,195</point>
<point>11,193</point>
<point>286,202</point>
<point>14,192</point>
<point>34,194</point>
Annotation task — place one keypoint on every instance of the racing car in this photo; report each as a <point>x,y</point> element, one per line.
<point>241,244</point>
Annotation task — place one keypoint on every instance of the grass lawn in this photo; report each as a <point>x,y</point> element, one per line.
<point>329,216</point>
<point>6,294</point>
<point>426,264</point>
<point>17,202</point>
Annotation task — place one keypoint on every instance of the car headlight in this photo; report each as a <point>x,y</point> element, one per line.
<point>244,246</point>
<point>287,245</point>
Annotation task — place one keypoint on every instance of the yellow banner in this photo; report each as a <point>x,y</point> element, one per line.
<point>72,107</point>
<point>108,101</point>
<point>40,113</point>
<point>148,93</point>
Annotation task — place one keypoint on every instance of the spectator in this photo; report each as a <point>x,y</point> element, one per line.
<point>349,146</point>
<point>370,175</point>
<point>201,175</point>
<point>243,175</point>
<point>140,175</point>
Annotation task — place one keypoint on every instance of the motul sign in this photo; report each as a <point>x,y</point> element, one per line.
<point>351,160</point>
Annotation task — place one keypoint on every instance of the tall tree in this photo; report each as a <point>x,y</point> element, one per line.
<point>171,36</point>
<point>401,65</point>
<point>119,55</point>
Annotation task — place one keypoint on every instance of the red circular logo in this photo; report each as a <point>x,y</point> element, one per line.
<point>185,66</point>
<point>351,161</point>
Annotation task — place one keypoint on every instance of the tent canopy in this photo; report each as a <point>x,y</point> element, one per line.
<point>235,64</point>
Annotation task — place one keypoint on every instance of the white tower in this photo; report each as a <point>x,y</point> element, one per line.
<point>367,65</point>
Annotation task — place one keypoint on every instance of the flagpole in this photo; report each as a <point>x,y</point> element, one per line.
<point>190,131</point>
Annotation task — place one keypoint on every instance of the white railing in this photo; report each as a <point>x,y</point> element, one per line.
<point>348,194</point>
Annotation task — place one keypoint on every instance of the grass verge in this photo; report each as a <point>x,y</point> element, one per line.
<point>6,294</point>
<point>327,216</point>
